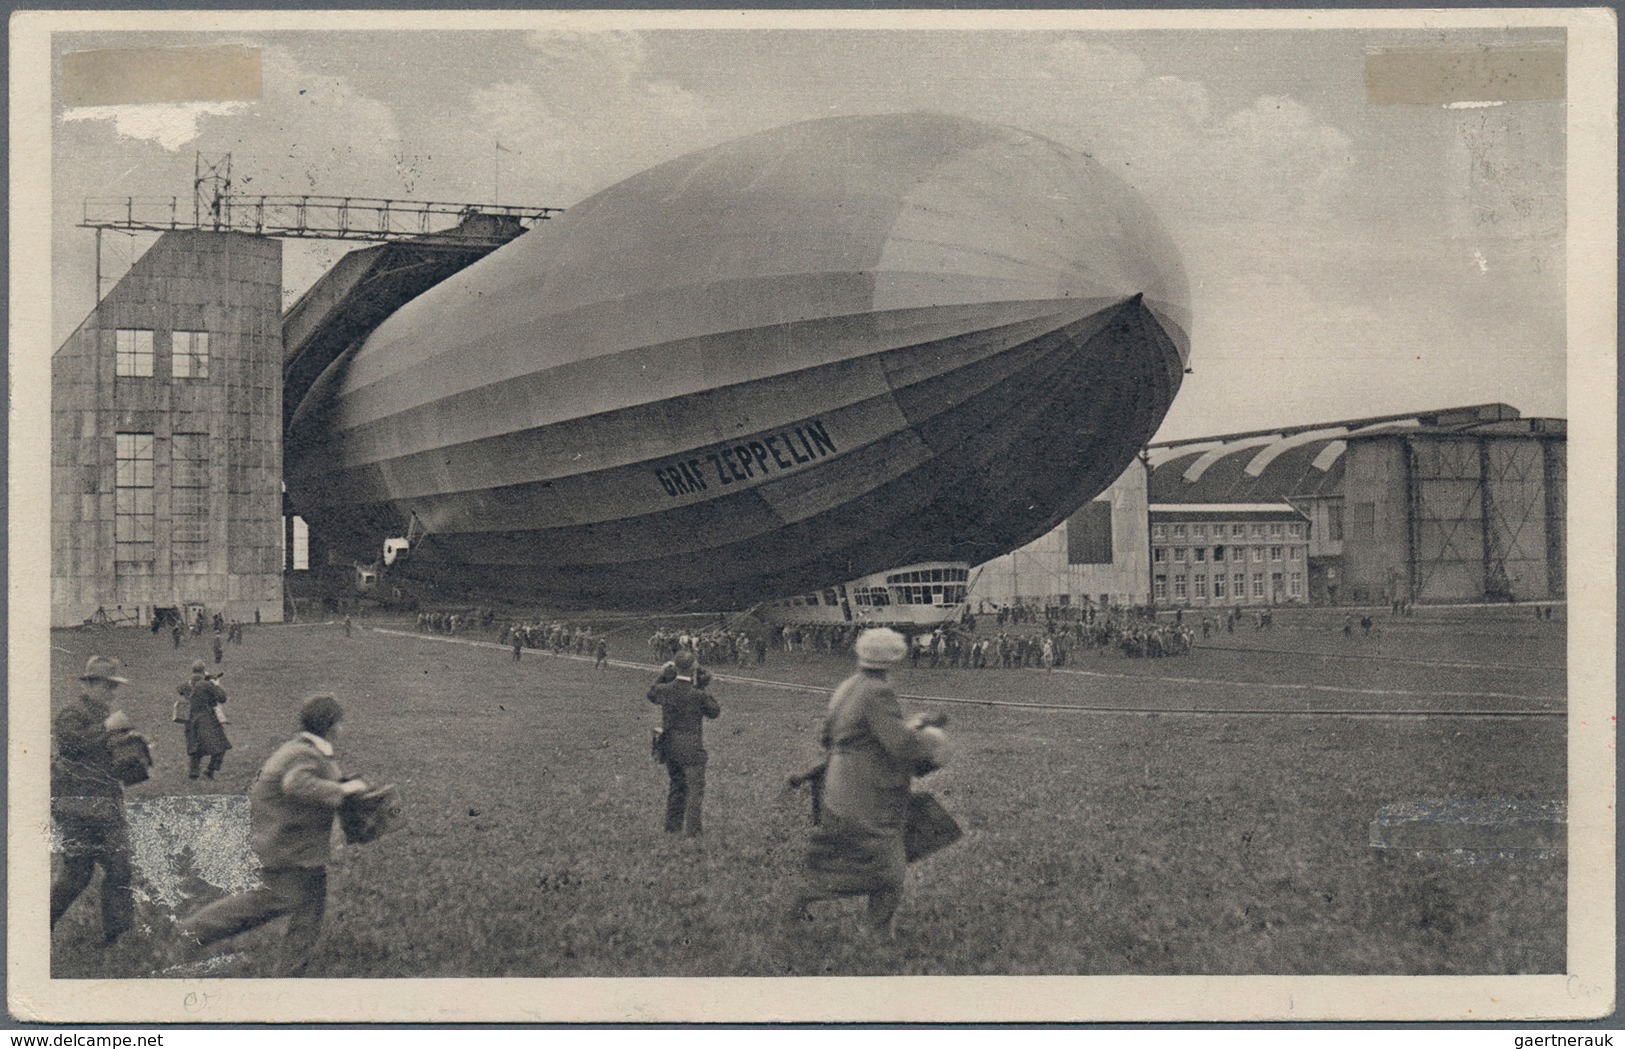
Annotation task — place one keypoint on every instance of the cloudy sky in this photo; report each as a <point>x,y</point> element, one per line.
<point>1346,258</point>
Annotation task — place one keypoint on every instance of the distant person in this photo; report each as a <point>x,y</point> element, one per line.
<point>872,753</point>
<point>87,799</point>
<point>518,643</point>
<point>205,736</point>
<point>347,626</point>
<point>219,647</point>
<point>293,803</point>
<point>684,706</point>
<point>175,632</point>
<point>602,662</point>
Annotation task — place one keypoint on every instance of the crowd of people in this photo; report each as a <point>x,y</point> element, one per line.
<point>293,802</point>
<point>861,789</point>
<point>856,847</point>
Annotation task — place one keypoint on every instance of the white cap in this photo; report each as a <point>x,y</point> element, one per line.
<point>879,648</point>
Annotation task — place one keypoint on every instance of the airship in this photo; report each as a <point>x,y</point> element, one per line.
<point>768,366</point>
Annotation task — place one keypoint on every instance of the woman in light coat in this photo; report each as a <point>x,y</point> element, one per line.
<point>857,847</point>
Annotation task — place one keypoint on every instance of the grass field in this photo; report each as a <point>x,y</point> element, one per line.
<point>1142,839</point>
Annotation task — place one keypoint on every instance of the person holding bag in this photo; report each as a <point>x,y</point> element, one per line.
<point>858,847</point>
<point>293,803</point>
<point>204,735</point>
<point>87,799</point>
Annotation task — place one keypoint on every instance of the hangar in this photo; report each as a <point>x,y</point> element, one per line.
<point>167,400</point>
<point>1462,504</point>
<point>1454,505</point>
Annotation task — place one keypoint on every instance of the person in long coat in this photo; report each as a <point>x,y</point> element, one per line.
<point>205,737</point>
<point>857,847</point>
<point>684,706</point>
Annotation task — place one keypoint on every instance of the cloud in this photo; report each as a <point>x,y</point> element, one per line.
<point>1274,153</point>
<point>169,124</point>
<point>585,111</point>
<point>1082,61</point>
<point>618,54</point>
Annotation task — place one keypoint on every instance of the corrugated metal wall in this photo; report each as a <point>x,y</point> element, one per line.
<point>1454,517</point>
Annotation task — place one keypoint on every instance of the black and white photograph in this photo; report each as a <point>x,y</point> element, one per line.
<point>560,517</point>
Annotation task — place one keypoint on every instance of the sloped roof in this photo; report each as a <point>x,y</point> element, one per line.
<point>1285,472</point>
<point>1307,461</point>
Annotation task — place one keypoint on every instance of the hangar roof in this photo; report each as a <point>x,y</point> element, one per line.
<point>1262,467</point>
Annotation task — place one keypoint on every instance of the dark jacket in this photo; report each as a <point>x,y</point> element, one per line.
<point>203,732</point>
<point>683,709</point>
<point>83,765</point>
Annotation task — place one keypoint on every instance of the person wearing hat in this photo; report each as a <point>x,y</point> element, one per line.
<point>205,737</point>
<point>87,800</point>
<point>684,706</point>
<point>857,847</point>
<point>292,805</point>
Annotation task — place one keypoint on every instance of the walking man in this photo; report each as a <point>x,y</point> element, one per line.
<point>87,800</point>
<point>683,708</point>
<point>292,806</point>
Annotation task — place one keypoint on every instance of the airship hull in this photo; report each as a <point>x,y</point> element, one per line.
<point>769,400</point>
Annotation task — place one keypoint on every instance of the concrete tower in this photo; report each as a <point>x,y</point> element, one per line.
<point>166,437</point>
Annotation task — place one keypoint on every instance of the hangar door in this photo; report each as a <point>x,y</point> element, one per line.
<point>1479,519</point>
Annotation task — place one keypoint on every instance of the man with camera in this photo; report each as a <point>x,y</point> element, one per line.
<point>684,706</point>
<point>205,737</point>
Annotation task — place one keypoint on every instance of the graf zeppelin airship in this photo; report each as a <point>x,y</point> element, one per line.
<point>764,367</point>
